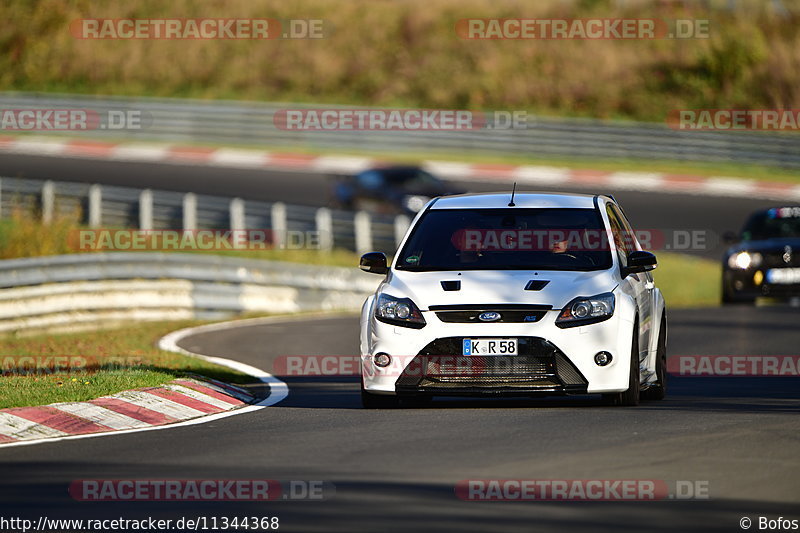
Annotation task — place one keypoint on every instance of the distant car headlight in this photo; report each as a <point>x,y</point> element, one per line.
<point>415,202</point>
<point>582,311</point>
<point>398,311</point>
<point>744,260</point>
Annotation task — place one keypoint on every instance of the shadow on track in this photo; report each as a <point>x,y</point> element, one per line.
<point>741,394</point>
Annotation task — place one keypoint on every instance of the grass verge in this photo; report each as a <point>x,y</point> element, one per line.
<point>688,281</point>
<point>24,235</point>
<point>74,367</point>
<point>411,53</point>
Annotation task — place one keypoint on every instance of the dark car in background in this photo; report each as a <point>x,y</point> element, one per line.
<point>765,260</point>
<point>390,189</point>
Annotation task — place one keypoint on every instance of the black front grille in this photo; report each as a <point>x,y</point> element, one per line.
<point>468,314</point>
<point>776,260</point>
<point>440,368</point>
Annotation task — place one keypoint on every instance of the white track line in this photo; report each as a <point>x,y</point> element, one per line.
<point>278,390</point>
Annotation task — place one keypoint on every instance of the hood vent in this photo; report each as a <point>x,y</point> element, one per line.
<point>536,284</point>
<point>452,285</point>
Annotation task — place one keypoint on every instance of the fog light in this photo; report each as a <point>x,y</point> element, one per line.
<point>602,358</point>
<point>382,360</point>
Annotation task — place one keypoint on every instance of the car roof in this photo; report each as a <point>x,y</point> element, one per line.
<point>521,200</point>
<point>393,169</point>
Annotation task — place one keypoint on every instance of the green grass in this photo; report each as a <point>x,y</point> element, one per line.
<point>408,54</point>
<point>688,281</point>
<point>116,360</point>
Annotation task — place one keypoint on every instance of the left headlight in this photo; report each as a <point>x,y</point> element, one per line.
<point>582,311</point>
<point>399,311</point>
<point>744,260</point>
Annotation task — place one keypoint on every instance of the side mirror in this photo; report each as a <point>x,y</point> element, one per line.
<point>374,262</point>
<point>640,261</point>
<point>730,237</point>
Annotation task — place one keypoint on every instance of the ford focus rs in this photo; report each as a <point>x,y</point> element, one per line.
<point>514,295</point>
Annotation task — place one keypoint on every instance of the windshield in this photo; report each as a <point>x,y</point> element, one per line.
<point>510,239</point>
<point>776,223</point>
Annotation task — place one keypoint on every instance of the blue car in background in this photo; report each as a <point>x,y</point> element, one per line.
<point>390,189</point>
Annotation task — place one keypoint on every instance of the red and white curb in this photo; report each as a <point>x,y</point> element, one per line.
<point>535,175</point>
<point>179,403</point>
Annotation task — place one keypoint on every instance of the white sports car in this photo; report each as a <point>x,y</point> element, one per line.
<point>514,295</point>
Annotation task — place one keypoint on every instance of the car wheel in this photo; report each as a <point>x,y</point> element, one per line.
<point>377,401</point>
<point>630,397</point>
<point>658,390</point>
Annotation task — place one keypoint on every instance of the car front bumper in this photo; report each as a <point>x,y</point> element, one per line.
<point>753,283</point>
<point>551,360</point>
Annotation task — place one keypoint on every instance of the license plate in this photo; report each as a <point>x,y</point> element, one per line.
<point>783,276</point>
<point>490,347</point>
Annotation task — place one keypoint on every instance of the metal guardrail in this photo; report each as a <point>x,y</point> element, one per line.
<point>230,122</point>
<point>73,291</point>
<point>109,206</point>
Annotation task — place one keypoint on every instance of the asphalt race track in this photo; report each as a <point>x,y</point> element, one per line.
<point>647,211</point>
<point>396,470</point>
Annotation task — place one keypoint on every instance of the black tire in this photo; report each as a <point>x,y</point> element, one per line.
<point>726,295</point>
<point>658,390</point>
<point>377,401</point>
<point>730,298</point>
<point>630,397</point>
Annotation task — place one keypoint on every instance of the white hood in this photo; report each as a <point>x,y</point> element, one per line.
<point>498,287</point>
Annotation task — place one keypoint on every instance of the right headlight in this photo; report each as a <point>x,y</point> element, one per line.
<point>398,311</point>
<point>582,311</point>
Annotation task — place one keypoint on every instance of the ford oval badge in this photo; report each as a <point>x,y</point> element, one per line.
<point>489,316</point>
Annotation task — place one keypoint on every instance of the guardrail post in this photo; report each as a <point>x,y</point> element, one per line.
<point>189,211</point>
<point>48,201</point>
<point>278,217</point>
<point>237,213</point>
<point>146,209</point>
<point>324,222</point>
<point>401,223</point>
<point>95,206</point>
<point>236,216</point>
<point>363,229</point>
